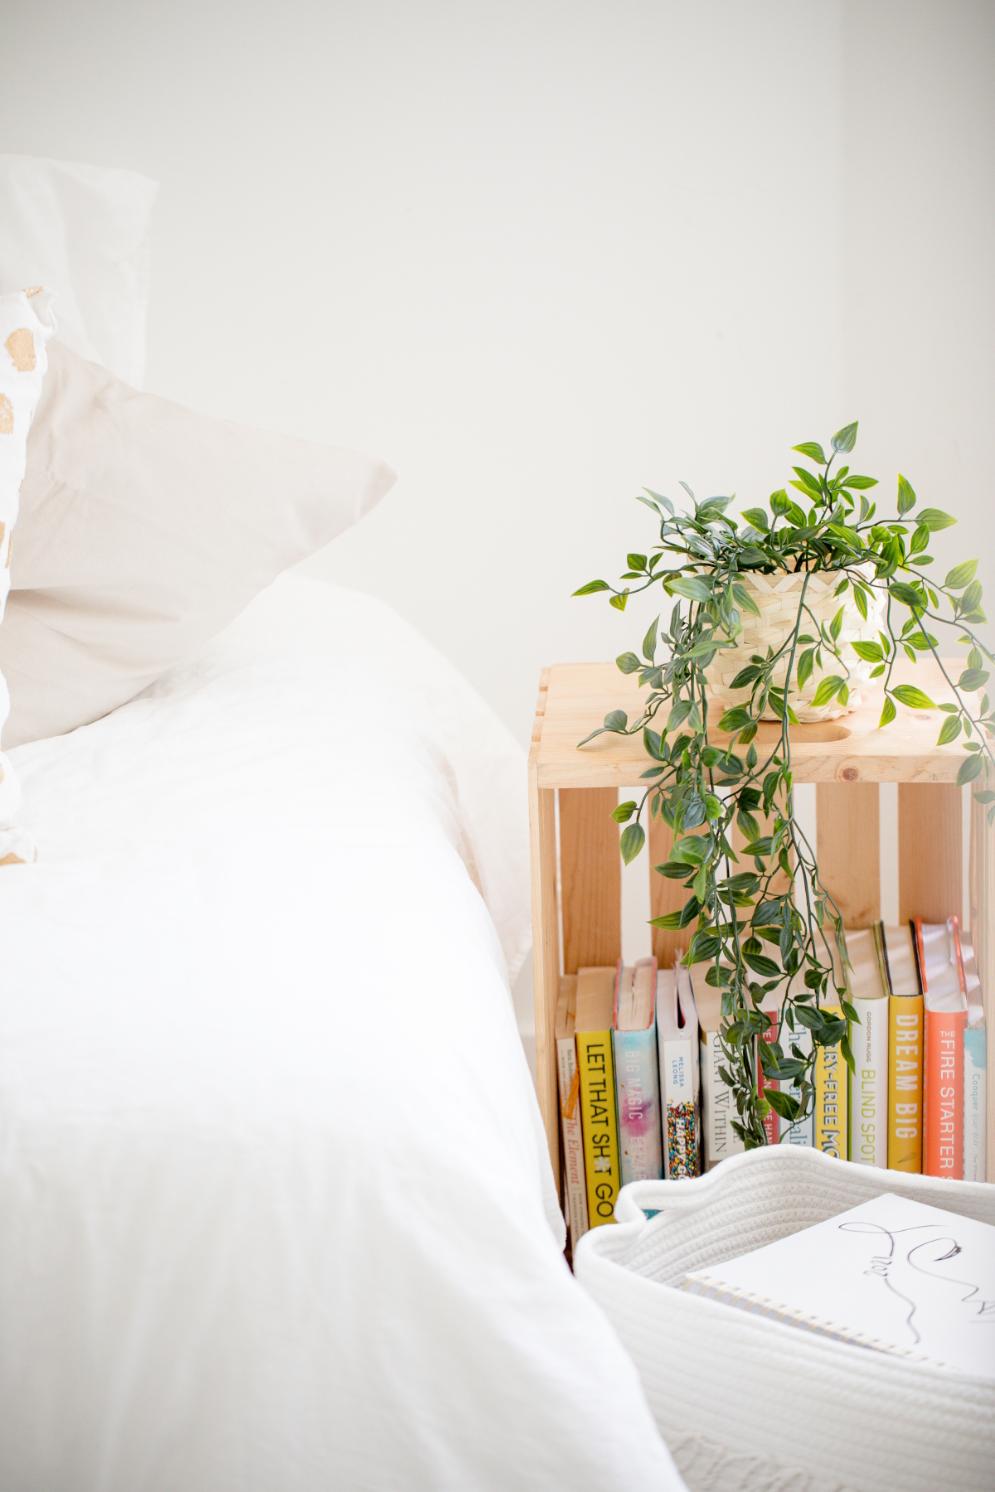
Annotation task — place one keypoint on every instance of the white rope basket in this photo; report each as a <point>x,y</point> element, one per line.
<point>777,597</point>
<point>755,1401</point>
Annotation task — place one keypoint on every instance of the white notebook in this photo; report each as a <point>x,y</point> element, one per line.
<point>891,1274</point>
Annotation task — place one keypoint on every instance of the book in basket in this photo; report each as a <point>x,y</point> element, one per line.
<point>891,1274</point>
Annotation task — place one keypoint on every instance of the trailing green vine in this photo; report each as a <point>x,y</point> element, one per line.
<point>756,910</point>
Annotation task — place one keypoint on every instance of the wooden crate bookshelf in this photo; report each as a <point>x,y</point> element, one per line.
<point>576,871</point>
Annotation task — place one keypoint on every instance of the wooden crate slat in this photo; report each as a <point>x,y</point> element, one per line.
<point>665,896</point>
<point>850,749</point>
<point>848,848</point>
<point>590,878</point>
<point>930,851</point>
<point>545,940</point>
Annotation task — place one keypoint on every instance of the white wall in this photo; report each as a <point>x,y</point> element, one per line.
<point>540,252</point>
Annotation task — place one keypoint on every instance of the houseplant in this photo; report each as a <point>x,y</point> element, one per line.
<point>853,595</point>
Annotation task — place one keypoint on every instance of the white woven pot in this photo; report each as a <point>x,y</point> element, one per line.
<point>777,598</point>
<point>745,1401</point>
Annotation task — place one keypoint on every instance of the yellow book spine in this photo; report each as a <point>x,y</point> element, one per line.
<point>599,1123</point>
<point>830,1128</point>
<point>905,1053</point>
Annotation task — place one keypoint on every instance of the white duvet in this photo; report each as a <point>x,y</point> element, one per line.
<point>275,1214</point>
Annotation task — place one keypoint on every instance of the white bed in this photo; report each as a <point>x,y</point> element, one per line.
<point>275,1211</point>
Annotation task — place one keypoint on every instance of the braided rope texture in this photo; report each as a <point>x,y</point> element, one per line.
<point>729,1387</point>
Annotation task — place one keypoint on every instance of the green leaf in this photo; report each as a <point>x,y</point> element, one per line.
<point>860,596</point>
<point>757,518</point>
<point>972,679</point>
<point>827,690</point>
<point>761,964</point>
<point>807,481</point>
<point>906,496</point>
<point>913,696</point>
<point>747,675</point>
<point>692,587</point>
<point>960,575</point>
<point>619,601</point>
<point>907,594</point>
<point>869,651</point>
<point>636,561</point>
<point>592,586</point>
<point>888,712</point>
<point>970,768</point>
<point>632,839</point>
<point>813,450</point>
<point>836,625</point>
<point>735,719</point>
<point>805,665</point>
<point>703,946</point>
<point>783,1103</point>
<point>861,483</point>
<point>935,519</point>
<point>627,663</point>
<point>649,641</point>
<point>949,731</point>
<point>616,720</point>
<point>844,440</point>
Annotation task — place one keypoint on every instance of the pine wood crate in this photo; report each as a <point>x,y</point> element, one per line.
<point>576,870</point>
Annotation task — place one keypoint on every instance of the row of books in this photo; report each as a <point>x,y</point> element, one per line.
<point>642,1097</point>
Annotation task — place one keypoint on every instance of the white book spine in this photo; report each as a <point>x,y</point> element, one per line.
<point>718,1106</point>
<point>801,1131</point>
<point>574,1182</point>
<point>975,1103</point>
<point>868,1128</point>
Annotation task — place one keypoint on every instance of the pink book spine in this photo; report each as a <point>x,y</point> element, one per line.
<point>943,1084</point>
<point>772,1124</point>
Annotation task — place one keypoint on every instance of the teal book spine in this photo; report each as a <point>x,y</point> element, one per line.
<point>637,1087</point>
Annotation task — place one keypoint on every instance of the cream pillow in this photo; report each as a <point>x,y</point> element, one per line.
<point>25,326</point>
<point>82,232</point>
<point>144,530</point>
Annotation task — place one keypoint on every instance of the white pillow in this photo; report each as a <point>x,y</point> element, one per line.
<point>146,528</point>
<point>25,326</point>
<point>82,232</point>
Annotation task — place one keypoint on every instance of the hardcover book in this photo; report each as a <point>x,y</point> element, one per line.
<point>941,975</point>
<point>905,1048</point>
<point>596,1068</point>
<point>868,1082</point>
<point>830,1117</point>
<point>574,1183</point>
<point>718,1108</point>
<point>975,1073</point>
<point>680,1083</point>
<point>637,1082</point>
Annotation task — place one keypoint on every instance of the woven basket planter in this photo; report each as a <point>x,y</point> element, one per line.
<point>777,597</point>
<point>763,1403</point>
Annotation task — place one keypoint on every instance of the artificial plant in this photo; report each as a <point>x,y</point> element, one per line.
<point>758,915</point>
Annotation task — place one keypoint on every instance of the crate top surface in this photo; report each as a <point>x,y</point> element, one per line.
<point>575,697</point>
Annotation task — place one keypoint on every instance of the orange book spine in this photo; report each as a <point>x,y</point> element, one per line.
<point>943,1083</point>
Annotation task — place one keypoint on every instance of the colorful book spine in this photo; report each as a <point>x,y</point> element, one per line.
<point>943,1081</point>
<point>830,1118</point>
<point>637,1087</point>
<point>975,1102</point>
<point>598,1124</point>
<point>681,1150</point>
<point>905,1056</point>
<point>771,1122</point>
<point>718,1105</point>
<point>575,1186</point>
<point>868,1083</point>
